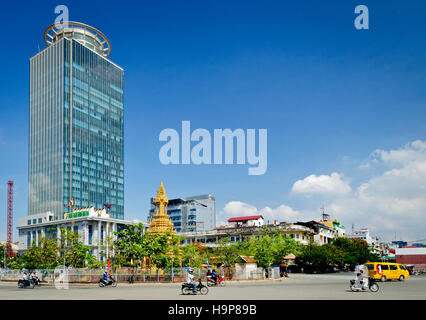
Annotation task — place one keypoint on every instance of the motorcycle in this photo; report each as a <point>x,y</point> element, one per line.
<point>102,283</point>
<point>201,288</point>
<point>36,281</point>
<point>372,285</point>
<point>25,283</point>
<point>219,282</point>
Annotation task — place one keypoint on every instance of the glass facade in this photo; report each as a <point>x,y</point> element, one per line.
<point>76,143</point>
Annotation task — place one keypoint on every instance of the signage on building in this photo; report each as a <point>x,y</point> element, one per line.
<point>77,214</point>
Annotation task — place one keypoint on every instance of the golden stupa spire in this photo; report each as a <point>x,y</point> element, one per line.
<point>161,222</point>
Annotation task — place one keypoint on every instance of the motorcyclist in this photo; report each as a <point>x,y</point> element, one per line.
<point>190,280</point>
<point>34,277</point>
<point>214,276</point>
<point>105,277</point>
<point>209,274</point>
<point>26,278</point>
<point>364,280</point>
<point>362,277</point>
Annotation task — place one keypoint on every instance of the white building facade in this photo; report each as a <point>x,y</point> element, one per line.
<point>248,221</point>
<point>95,229</point>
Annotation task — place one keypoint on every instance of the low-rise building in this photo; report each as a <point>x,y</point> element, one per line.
<point>376,246</point>
<point>236,234</point>
<point>412,256</point>
<point>93,226</point>
<point>323,234</point>
<point>339,229</point>
<point>363,234</point>
<point>248,221</point>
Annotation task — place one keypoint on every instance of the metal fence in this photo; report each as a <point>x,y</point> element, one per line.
<point>86,275</point>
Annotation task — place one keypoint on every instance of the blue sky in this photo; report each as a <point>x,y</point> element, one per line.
<point>328,94</point>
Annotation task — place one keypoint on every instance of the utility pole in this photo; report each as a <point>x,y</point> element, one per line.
<point>172,265</point>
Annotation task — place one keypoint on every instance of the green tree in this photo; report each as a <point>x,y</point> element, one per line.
<point>354,251</point>
<point>158,248</point>
<point>129,246</point>
<point>192,256</point>
<point>134,245</point>
<point>263,252</point>
<point>77,254</point>
<point>227,252</point>
<point>43,256</point>
<point>319,258</point>
<point>270,247</point>
<point>2,255</point>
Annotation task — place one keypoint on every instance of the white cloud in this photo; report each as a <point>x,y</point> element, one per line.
<point>414,151</point>
<point>394,201</point>
<point>322,185</point>
<point>280,213</point>
<point>388,203</point>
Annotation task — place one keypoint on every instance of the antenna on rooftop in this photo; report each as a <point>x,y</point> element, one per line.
<point>325,216</point>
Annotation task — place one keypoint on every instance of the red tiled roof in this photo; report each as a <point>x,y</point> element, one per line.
<point>244,218</point>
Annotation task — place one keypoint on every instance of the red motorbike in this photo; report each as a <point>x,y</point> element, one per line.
<point>219,281</point>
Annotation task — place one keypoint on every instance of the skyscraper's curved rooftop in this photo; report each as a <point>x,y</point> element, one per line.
<point>83,33</point>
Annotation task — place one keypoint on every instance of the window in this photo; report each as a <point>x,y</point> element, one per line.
<point>34,221</point>
<point>401,267</point>
<point>393,267</point>
<point>90,234</point>
<point>29,222</point>
<point>385,267</point>
<point>39,220</point>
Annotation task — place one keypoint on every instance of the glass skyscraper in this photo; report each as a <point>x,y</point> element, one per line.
<point>76,132</point>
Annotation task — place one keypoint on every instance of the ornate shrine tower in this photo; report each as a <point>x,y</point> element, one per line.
<point>161,222</point>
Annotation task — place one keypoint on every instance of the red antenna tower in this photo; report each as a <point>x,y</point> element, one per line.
<point>9,217</point>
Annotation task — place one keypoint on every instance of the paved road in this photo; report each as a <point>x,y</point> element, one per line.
<point>298,286</point>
